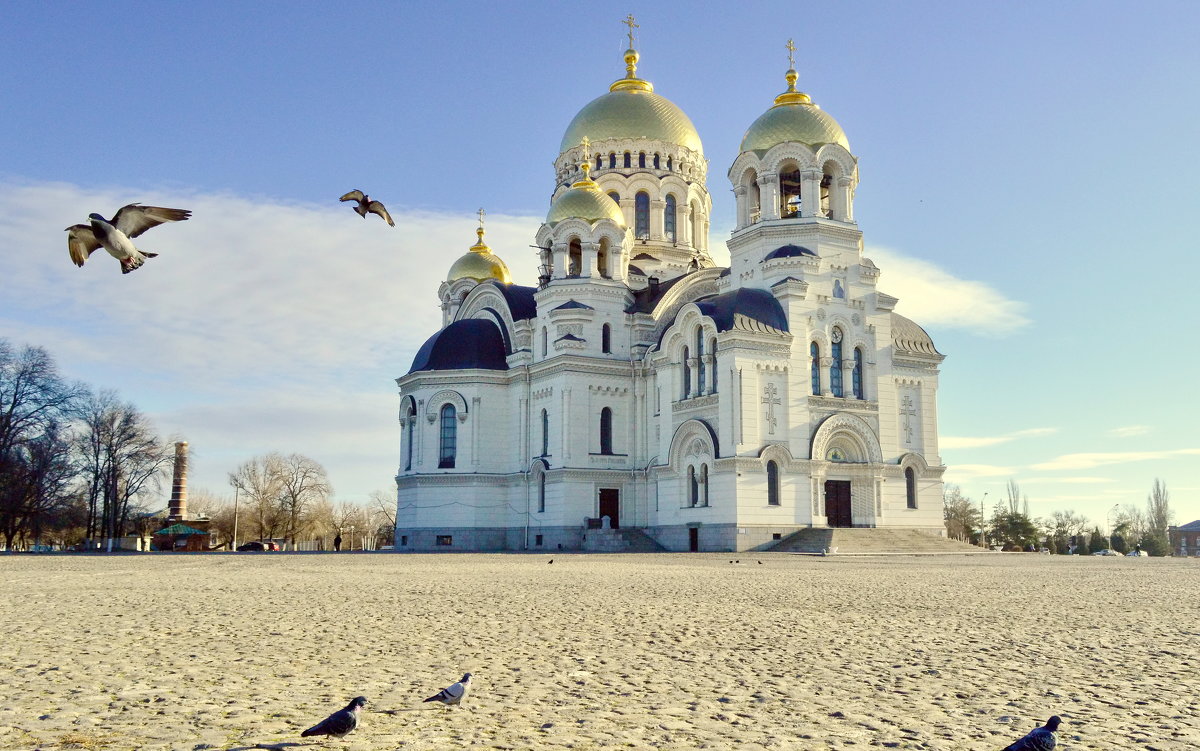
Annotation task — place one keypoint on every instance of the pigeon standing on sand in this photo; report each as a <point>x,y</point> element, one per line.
<point>366,205</point>
<point>340,723</point>
<point>453,694</point>
<point>116,236</point>
<point>1041,739</point>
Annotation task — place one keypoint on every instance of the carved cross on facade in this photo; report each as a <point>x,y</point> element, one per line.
<point>907,412</point>
<point>771,398</point>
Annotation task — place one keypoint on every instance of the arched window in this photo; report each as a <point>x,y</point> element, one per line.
<point>669,218</point>
<point>448,443</point>
<point>606,444</point>
<point>910,487</point>
<point>814,352</point>
<point>772,483</point>
<point>602,259</point>
<point>700,361</point>
<point>693,488</point>
<point>704,484</point>
<point>687,375</point>
<point>698,238</point>
<point>669,167</point>
<point>641,215</point>
<point>545,433</point>
<point>612,159</point>
<point>615,196</point>
<point>790,200</point>
<point>545,342</point>
<point>541,492</point>
<point>628,163</point>
<point>835,370</point>
<point>410,428</point>
<point>826,182</point>
<point>641,159</point>
<point>656,161</point>
<point>712,347</point>
<point>859,393</point>
<point>606,338</point>
<point>598,161</point>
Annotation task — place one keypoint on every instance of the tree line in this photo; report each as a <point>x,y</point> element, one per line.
<point>83,465</point>
<point>1013,528</point>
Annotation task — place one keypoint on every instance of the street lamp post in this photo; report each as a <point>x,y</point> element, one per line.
<point>982,523</point>
<point>1110,524</point>
<point>233,545</point>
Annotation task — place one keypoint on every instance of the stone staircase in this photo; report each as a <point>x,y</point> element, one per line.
<point>620,541</point>
<point>870,541</point>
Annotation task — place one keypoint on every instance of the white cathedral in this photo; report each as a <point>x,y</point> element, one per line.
<point>640,391</point>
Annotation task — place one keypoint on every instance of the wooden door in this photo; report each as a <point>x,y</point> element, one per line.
<point>694,539</point>
<point>610,506</point>
<point>837,503</point>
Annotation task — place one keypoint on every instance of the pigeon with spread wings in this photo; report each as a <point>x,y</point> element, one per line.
<point>366,205</point>
<point>116,236</point>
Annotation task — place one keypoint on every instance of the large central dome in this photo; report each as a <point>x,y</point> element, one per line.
<point>631,109</point>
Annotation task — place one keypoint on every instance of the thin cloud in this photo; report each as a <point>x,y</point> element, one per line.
<point>960,473</point>
<point>1066,480</point>
<point>1101,459</point>
<point>1128,431</point>
<point>971,442</point>
<point>933,296</point>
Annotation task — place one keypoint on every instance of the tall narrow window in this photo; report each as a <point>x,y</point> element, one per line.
<point>699,361</point>
<point>687,375</point>
<point>642,159</point>
<point>693,488</point>
<point>628,163</point>
<point>641,216</point>
<point>704,484</point>
<point>541,492</point>
<point>448,445</point>
<point>669,167</point>
<point>669,218</point>
<point>545,433</point>
<point>545,341</point>
<point>712,347</point>
<point>656,161</point>
<point>858,374</point>
<point>910,487</point>
<point>598,157</point>
<point>835,370</point>
<point>410,428</point>
<point>606,444</point>
<point>772,483</point>
<point>814,353</point>
<point>612,160</point>
<point>606,339</point>
<point>615,196</point>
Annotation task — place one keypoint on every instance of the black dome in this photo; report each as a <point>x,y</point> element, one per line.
<point>469,343</point>
<point>789,251</point>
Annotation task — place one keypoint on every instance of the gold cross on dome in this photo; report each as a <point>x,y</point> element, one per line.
<point>587,153</point>
<point>481,213</point>
<point>791,48</point>
<point>629,22</point>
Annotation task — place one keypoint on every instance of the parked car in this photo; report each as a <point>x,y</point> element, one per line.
<point>1138,554</point>
<point>257,546</point>
<point>1106,551</point>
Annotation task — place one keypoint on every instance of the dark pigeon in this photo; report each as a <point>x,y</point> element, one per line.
<point>340,723</point>
<point>453,694</point>
<point>366,206</point>
<point>1041,739</point>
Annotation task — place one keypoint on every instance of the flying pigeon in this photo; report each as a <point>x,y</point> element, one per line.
<point>116,236</point>
<point>340,723</point>
<point>366,205</point>
<point>453,694</point>
<point>1041,739</point>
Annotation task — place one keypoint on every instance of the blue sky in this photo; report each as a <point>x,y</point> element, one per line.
<point>1029,173</point>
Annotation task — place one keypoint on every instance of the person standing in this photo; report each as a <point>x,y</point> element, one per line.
<point>337,543</point>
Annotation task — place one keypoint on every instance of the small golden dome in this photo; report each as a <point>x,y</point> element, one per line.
<point>794,117</point>
<point>631,109</point>
<point>584,200</point>
<point>480,263</point>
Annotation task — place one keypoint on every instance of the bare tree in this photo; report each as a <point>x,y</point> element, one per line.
<point>303,484</point>
<point>259,482</point>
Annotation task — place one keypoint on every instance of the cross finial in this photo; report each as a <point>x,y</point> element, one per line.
<point>481,213</point>
<point>629,22</point>
<point>587,144</point>
<point>791,48</point>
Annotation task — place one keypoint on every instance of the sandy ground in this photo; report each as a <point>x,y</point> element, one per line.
<point>240,651</point>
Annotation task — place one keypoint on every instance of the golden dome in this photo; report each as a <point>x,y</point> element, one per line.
<point>584,200</point>
<point>631,109</point>
<point>480,263</point>
<point>793,118</point>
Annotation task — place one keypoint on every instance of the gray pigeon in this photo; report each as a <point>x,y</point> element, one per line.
<point>1040,739</point>
<point>116,236</point>
<point>366,205</point>
<point>453,694</point>
<point>340,723</point>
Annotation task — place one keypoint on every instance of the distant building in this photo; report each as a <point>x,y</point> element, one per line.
<point>1185,540</point>
<point>636,382</point>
